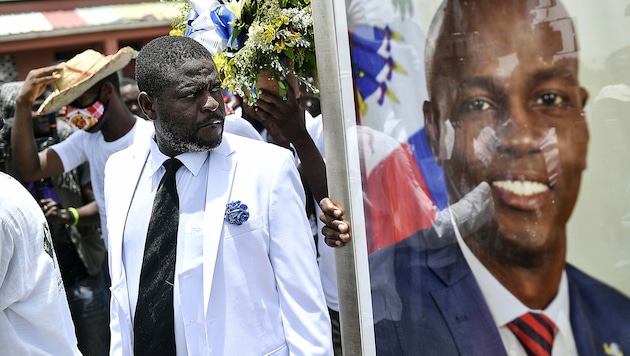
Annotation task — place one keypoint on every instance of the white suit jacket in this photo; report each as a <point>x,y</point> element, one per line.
<point>261,289</point>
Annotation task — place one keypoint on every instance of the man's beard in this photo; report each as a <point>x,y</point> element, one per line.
<point>187,143</point>
<point>197,145</point>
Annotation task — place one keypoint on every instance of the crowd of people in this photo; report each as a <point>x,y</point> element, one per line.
<point>60,135</point>
<point>236,254</point>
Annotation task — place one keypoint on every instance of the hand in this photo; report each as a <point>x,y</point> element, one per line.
<point>283,117</point>
<point>336,232</point>
<point>54,214</point>
<point>36,81</point>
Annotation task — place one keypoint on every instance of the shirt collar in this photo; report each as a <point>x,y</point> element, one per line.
<point>192,160</point>
<point>504,306</point>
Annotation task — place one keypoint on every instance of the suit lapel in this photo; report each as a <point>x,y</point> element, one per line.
<point>580,322</point>
<point>126,183</point>
<point>125,178</point>
<point>221,168</point>
<point>462,304</point>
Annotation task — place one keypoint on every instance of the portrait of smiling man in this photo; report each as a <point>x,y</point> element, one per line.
<point>210,250</point>
<point>505,120</point>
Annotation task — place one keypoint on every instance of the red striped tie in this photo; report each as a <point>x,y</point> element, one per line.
<point>535,332</point>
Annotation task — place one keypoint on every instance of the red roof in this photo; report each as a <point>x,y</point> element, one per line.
<point>64,19</point>
<point>49,21</point>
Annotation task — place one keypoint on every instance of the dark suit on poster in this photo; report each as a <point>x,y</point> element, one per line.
<point>444,311</point>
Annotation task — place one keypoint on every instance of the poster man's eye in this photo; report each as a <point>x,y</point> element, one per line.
<point>550,99</point>
<point>478,105</point>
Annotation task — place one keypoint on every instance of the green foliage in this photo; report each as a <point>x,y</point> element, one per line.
<point>277,38</point>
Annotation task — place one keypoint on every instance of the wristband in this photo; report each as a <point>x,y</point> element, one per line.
<point>75,215</point>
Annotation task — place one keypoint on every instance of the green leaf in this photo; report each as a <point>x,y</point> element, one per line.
<point>283,89</point>
<point>288,51</point>
<point>235,33</point>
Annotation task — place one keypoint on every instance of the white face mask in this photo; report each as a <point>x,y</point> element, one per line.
<point>85,118</point>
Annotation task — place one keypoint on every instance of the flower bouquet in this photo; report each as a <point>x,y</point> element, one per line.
<point>252,39</point>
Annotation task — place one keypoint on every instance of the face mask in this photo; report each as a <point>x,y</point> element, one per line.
<point>85,118</point>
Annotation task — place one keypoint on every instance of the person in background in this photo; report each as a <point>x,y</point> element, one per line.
<point>289,125</point>
<point>34,313</point>
<point>88,87</point>
<point>237,264</point>
<point>79,247</point>
<point>234,122</point>
<point>129,94</point>
<point>309,101</point>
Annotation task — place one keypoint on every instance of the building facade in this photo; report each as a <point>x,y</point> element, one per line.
<point>34,34</point>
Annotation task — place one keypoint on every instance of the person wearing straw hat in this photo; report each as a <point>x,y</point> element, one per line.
<point>129,92</point>
<point>88,86</point>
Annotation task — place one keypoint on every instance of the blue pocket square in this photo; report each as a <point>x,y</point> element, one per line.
<point>236,213</point>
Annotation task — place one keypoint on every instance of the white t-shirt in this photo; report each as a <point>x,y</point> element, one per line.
<point>326,259</point>
<point>236,125</point>
<point>34,314</point>
<point>83,146</point>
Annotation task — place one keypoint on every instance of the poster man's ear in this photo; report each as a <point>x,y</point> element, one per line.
<point>147,105</point>
<point>431,129</point>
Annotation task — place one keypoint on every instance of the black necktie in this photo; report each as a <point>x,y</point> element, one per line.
<point>535,332</point>
<point>154,329</point>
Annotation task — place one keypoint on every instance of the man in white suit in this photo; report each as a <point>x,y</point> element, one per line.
<point>245,281</point>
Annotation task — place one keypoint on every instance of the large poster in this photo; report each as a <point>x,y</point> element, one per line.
<point>493,152</point>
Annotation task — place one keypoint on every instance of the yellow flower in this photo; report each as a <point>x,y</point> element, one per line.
<point>269,34</point>
<point>279,46</point>
<point>229,69</point>
<point>281,20</point>
<point>219,60</point>
<point>292,39</point>
<point>175,32</point>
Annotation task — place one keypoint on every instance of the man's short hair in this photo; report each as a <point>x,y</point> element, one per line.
<point>160,56</point>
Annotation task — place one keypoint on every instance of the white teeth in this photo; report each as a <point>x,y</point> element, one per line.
<point>518,187</point>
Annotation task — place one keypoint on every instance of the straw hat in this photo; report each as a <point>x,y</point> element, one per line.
<point>80,73</point>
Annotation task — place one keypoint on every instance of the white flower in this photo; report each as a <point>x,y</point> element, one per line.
<point>236,6</point>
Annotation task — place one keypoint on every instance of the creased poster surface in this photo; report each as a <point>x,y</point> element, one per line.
<point>492,139</point>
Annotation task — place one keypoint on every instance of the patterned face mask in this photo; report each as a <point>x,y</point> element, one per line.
<point>85,118</point>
